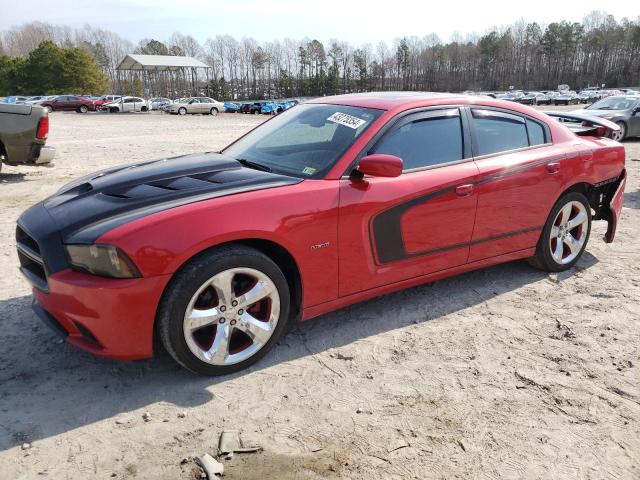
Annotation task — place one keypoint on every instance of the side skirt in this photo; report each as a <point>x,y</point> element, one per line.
<point>341,302</point>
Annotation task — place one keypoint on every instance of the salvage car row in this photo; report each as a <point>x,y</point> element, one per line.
<point>556,97</point>
<point>118,103</point>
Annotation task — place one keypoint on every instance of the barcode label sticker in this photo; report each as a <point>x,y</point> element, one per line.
<point>346,120</point>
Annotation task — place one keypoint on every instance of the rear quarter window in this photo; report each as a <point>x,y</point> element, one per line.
<point>537,134</point>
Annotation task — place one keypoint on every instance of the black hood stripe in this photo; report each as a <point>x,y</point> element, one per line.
<point>84,210</point>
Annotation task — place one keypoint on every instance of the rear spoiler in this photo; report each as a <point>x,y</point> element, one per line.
<point>584,125</point>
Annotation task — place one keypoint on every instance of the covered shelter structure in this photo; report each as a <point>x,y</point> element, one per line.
<point>166,75</point>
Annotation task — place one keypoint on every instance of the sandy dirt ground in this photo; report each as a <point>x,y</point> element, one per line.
<point>502,373</point>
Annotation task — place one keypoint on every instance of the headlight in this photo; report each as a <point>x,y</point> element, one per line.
<point>102,260</point>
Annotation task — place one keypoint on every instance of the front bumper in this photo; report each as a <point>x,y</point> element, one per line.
<point>106,317</point>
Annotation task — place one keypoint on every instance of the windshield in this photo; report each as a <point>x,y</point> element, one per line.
<point>305,141</point>
<point>614,103</point>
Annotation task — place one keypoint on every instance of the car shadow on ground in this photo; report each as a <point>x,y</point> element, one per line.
<point>34,363</point>
<point>11,177</point>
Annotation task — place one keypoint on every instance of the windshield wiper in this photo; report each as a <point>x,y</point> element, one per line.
<point>254,165</point>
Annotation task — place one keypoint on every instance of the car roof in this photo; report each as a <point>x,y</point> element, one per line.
<point>392,100</point>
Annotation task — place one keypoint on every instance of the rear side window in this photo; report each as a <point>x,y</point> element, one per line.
<point>424,142</point>
<point>498,132</point>
<point>536,132</point>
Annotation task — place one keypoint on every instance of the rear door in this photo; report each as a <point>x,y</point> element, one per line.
<point>393,229</point>
<point>520,178</point>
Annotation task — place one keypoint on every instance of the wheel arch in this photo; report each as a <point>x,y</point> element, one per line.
<point>598,195</point>
<point>276,252</point>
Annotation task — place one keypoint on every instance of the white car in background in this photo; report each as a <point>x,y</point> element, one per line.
<point>126,104</point>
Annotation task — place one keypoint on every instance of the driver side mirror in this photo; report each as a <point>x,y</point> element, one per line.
<point>636,111</point>
<point>380,165</point>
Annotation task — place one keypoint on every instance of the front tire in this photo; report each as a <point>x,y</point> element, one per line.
<point>565,234</point>
<point>224,310</point>
<point>83,109</point>
<point>213,111</point>
<point>182,111</point>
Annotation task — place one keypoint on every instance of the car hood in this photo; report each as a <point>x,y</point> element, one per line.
<point>85,209</point>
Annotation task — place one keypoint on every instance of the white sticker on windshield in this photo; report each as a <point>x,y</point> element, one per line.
<point>346,120</point>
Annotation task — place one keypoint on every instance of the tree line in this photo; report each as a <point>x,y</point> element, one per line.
<point>599,50</point>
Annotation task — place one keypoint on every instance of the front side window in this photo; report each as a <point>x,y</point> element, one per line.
<point>305,141</point>
<point>425,142</point>
<point>498,132</point>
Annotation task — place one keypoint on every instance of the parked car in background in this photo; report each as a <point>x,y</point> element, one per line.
<point>68,103</point>
<point>336,201</point>
<point>14,99</point>
<point>107,99</point>
<point>194,105</point>
<point>158,102</point>
<point>231,107</point>
<point>624,110</point>
<point>245,108</point>
<point>253,107</point>
<point>126,105</point>
<point>272,108</point>
<point>534,98</point>
<point>564,98</point>
<point>23,134</point>
<point>37,99</point>
<point>165,108</point>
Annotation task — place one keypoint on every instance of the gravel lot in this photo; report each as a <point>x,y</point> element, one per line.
<point>500,373</point>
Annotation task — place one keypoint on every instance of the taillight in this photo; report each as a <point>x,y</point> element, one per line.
<point>43,128</point>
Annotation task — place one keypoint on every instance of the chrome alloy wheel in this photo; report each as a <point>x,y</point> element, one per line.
<point>619,135</point>
<point>231,316</point>
<point>569,232</point>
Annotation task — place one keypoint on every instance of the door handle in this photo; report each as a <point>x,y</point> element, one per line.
<point>464,190</point>
<point>553,167</point>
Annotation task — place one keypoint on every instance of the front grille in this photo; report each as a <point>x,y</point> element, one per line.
<point>31,262</point>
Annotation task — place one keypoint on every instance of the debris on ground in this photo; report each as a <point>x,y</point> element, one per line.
<point>210,465</point>
<point>146,416</point>
<point>230,443</point>
<point>182,414</point>
<point>564,331</point>
<point>26,446</point>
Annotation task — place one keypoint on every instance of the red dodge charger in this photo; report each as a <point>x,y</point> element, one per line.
<point>333,202</point>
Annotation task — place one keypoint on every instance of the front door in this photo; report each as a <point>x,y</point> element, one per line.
<point>392,229</point>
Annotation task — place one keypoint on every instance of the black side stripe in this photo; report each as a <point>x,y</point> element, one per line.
<point>473,243</point>
<point>386,231</point>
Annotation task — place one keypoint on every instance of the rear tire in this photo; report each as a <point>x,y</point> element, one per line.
<point>565,234</point>
<point>622,134</point>
<point>182,111</point>
<point>247,330</point>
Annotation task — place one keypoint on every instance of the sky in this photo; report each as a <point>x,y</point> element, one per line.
<point>356,21</point>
